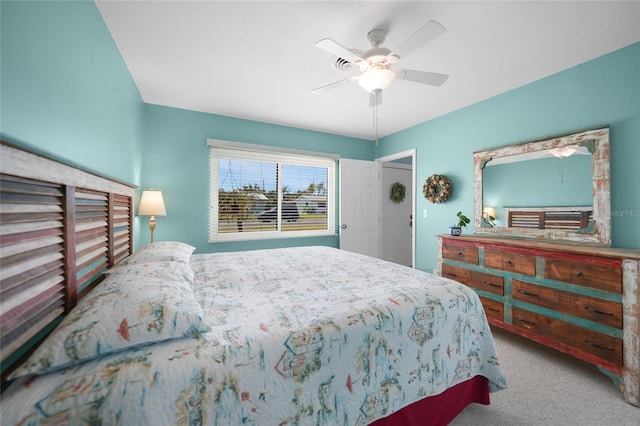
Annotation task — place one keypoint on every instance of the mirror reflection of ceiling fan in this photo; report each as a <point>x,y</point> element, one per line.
<point>376,64</point>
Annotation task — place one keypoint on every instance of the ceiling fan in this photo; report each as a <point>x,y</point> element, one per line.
<point>376,63</point>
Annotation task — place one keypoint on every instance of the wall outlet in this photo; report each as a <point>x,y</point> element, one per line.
<point>425,213</point>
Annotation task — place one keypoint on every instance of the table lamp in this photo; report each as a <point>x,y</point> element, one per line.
<point>152,204</point>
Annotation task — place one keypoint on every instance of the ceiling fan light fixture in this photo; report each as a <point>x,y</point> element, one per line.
<point>376,79</point>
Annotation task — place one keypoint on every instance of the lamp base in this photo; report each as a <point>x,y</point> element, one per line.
<point>152,226</point>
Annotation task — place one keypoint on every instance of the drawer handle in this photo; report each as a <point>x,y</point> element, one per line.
<point>459,254</point>
<point>451,274</point>
<point>595,311</point>
<point>580,275</point>
<point>526,321</point>
<point>526,293</point>
<point>509,263</point>
<point>492,309</point>
<point>492,284</point>
<point>595,345</point>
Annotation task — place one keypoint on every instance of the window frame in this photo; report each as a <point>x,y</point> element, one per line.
<point>252,152</point>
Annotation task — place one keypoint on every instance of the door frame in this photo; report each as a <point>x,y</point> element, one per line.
<point>388,158</point>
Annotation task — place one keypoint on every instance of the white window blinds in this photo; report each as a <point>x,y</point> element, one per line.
<point>259,192</point>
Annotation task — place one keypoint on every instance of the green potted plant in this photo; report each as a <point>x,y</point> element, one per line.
<point>462,222</point>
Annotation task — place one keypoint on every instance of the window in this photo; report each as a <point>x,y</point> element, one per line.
<point>260,192</point>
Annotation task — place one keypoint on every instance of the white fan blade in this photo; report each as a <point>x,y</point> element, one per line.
<point>424,35</point>
<point>430,78</point>
<point>332,85</point>
<point>375,99</point>
<point>338,50</point>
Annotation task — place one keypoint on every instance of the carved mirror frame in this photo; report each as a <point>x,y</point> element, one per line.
<point>597,141</point>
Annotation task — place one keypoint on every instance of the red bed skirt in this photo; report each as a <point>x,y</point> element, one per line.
<point>440,410</point>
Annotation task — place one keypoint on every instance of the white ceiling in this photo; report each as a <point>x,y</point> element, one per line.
<point>257,60</point>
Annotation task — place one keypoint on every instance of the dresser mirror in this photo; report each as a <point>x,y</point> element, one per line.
<point>553,189</point>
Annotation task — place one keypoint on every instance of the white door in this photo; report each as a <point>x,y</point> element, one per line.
<point>397,218</point>
<point>359,206</point>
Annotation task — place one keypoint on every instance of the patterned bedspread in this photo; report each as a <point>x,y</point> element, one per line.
<point>314,336</point>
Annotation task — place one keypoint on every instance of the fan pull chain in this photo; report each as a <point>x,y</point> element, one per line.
<point>375,114</point>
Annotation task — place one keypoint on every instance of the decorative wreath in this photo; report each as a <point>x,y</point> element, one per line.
<point>437,188</point>
<point>398,191</point>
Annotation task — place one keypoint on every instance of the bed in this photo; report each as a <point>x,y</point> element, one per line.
<point>307,335</point>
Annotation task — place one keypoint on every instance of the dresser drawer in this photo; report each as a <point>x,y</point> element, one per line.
<point>603,277</point>
<point>465,254</point>
<point>544,296</point>
<point>487,282</point>
<point>457,274</point>
<point>540,324</point>
<point>605,347</point>
<point>492,308</point>
<point>511,262</point>
<point>590,308</point>
<point>601,345</point>
<point>474,279</point>
<point>600,311</point>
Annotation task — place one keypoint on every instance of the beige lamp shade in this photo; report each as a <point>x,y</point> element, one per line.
<point>489,211</point>
<point>152,204</point>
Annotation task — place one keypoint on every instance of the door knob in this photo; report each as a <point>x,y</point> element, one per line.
<point>344,226</point>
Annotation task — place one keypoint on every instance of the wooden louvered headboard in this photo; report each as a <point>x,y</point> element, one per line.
<point>61,227</point>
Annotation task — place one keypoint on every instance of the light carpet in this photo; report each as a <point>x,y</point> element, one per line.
<point>547,387</point>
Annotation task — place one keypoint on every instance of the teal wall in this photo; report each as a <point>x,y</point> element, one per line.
<point>604,91</point>
<point>65,88</point>
<point>545,182</point>
<point>176,161</point>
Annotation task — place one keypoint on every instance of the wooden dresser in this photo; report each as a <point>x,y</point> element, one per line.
<point>579,299</point>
